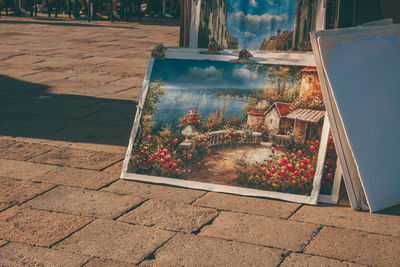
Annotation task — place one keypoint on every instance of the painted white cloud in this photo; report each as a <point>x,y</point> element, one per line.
<point>206,72</point>
<point>255,20</point>
<point>244,74</point>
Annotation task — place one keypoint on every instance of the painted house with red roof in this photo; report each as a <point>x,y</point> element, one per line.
<point>255,118</point>
<point>272,118</point>
<point>276,116</point>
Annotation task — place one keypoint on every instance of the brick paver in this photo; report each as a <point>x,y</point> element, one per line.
<point>24,151</point>
<point>115,240</point>
<point>100,262</point>
<point>174,216</point>
<point>296,259</point>
<point>345,217</point>
<point>14,191</point>
<point>68,94</point>
<point>267,207</point>
<point>144,190</point>
<point>84,202</point>
<point>191,250</point>
<point>15,254</point>
<point>77,177</point>
<point>79,158</point>
<point>22,170</point>
<point>261,230</point>
<point>361,247</point>
<point>34,227</point>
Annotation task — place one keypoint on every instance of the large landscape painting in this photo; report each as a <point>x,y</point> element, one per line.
<point>255,126</point>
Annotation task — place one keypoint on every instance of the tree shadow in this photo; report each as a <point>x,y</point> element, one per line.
<point>30,110</point>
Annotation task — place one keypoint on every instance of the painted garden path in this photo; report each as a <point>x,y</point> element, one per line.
<point>220,167</point>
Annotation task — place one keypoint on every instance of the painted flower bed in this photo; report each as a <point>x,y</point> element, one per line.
<point>287,170</point>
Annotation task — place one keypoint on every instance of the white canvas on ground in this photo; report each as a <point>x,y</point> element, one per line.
<point>360,78</point>
<point>222,84</point>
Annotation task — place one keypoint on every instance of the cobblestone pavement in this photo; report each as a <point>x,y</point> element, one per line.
<point>68,93</point>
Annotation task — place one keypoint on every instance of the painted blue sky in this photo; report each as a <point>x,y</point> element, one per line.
<point>252,21</point>
<point>204,74</point>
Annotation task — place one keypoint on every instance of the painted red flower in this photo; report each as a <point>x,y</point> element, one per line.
<point>149,138</point>
<point>161,155</point>
<point>175,141</point>
<point>329,176</point>
<point>312,148</point>
<point>168,158</point>
<point>161,161</point>
<point>317,143</point>
<point>299,153</point>
<point>273,150</point>
<point>312,171</point>
<point>174,166</point>
<point>179,161</point>
<point>285,161</point>
<point>165,151</point>
<point>145,148</point>
<point>189,156</point>
<point>272,170</point>
<point>165,166</point>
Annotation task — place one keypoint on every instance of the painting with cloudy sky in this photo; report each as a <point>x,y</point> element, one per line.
<point>252,21</point>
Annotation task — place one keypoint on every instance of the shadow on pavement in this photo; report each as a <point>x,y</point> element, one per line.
<point>30,110</point>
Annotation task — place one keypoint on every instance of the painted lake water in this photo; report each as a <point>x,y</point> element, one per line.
<point>176,102</point>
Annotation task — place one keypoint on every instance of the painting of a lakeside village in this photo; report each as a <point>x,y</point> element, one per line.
<point>255,126</point>
<point>266,25</point>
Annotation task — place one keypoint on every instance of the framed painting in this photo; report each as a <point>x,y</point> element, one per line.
<point>207,122</point>
<point>273,25</point>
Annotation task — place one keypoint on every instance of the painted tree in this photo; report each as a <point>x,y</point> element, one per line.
<point>154,93</point>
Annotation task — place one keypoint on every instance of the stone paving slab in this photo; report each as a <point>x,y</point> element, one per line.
<point>79,158</point>
<point>260,230</point>
<point>144,190</point>
<point>15,254</point>
<point>191,250</point>
<point>24,151</point>
<point>115,240</point>
<point>23,170</point>
<point>97,262</point>
<point>174,216</point>
<point>267,207</point>
<point>115,169</point>
<point>84,202</point>
<point>3,206</point>
<point>89,179</point>
<point>35,227</point>
<point>360,247</point>
<point>100,147</point>
<point>296,259</point>
<point>15,192</point>
<point>348,218</point>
